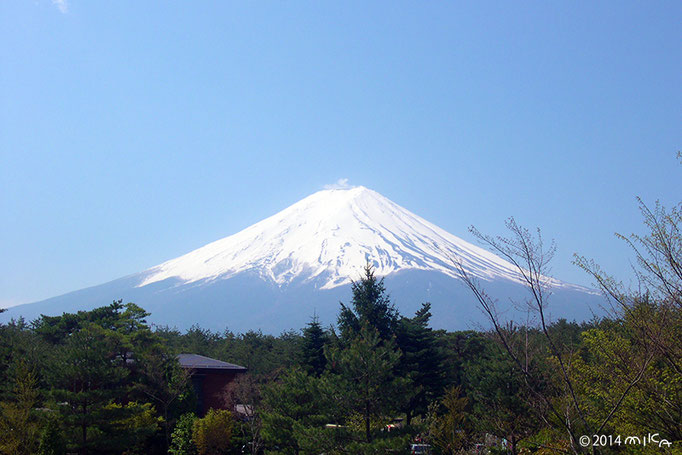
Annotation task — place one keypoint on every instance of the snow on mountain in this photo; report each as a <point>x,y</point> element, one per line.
<point>329,236</point>
<point>275,274</point>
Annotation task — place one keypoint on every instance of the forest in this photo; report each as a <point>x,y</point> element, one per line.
<point>106,382</point>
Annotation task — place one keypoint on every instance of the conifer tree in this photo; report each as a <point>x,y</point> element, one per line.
<point>421,362</point>
<point>493,384</point>
<point>370,307</point>
<point>86,380</point>
<point>365,370</point>
<point>51,439</point>
<point>314,339</point>
<point>293,405</point>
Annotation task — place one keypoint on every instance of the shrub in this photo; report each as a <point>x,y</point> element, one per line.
<point>182,442</point>
<point>213,434</point>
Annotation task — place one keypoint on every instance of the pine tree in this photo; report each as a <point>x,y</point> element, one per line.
<point>492,383</point>
<point>314,339</point>
<point>51,439</point>
<point>86,379</point>
<point>371,307</point>
<point>421,363</point>
<point>293,405</point>
<point>365,370</point>
<point>93,374</point>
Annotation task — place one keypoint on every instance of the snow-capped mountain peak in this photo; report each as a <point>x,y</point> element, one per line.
<point>328,237</point>
<point>277,273</point>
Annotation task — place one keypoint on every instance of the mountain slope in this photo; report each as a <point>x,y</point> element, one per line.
<point>330,235</point>
<point>302,259</point>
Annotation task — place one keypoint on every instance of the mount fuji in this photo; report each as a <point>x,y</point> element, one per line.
<point>277,273</point>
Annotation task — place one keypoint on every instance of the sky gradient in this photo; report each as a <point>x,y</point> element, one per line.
<point>134,132</point>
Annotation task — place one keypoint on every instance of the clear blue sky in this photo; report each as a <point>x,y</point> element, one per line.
<point>132,132</point>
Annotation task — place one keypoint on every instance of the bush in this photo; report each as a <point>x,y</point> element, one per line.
<point>182,442</point>
<point>213,434</point>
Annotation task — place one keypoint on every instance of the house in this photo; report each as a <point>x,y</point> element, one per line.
<point>211,379</point>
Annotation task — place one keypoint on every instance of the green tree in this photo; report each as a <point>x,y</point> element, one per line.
<point>366,374</point>
<point>212,434</point>
<point>86,379</point>
<point>370,307</point>
<point>262,354</point>
<point>421,362</point>
<point>182,442</point>
<point>293,404</point>
<point>200,341</point>
<point>52,440</point>
<point>651,316</point>
<point>21,348</point>
<point>101,364</point>
<point>500,401</point>
<point>459,348</point>
<point>607,366</point>
<point>162,380</point>
<point>314,340</point>
<point>19,428</point>
<point>447,427</point>
<point>56,329</point>
<point>129,428</point>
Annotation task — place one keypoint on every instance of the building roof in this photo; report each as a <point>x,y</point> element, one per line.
<point>199,362</point>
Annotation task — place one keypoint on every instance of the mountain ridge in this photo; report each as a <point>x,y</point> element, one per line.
<point>334,231</point>
<point>307,254</point>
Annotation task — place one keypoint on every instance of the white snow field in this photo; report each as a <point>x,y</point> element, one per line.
<point>332,234</point>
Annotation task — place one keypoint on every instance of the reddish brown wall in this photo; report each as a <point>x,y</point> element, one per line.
<point>215,386</point>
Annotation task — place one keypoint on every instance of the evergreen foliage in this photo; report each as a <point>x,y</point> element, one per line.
<point>370,307</point>
<point>294,403</point>
<point>367,379</point>
<point>421,362</point>
<point>500,401</point>
<point>52,439</point>
<point>312,348</point>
